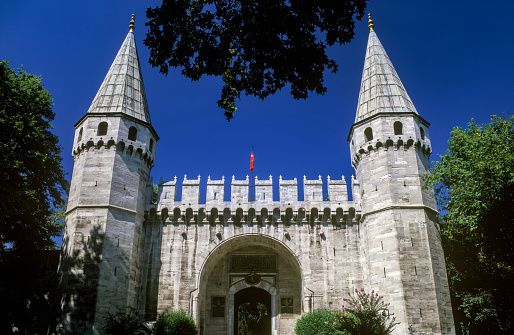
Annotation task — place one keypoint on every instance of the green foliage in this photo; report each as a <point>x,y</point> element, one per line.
<point>364,314</point>
<point>369,315</point>
<point>248,317</point>
<point>32,175</point>
<point>318,322</point>
<point>474,187</point>
<point>174,323</point>
<point>155,193</point>
<point>226,39</point>
<point>121,323</point>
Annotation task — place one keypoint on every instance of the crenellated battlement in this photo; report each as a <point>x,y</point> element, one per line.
<point>392,143</point>
<point>288,207</point>
<point>127,148</point>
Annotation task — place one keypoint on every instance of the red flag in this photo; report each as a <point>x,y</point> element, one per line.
<point>251,161</point>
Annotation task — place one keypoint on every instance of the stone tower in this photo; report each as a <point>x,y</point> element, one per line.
<point>390,149</point>
<point>114,151</point>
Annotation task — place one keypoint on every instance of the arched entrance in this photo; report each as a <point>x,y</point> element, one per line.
<point>253,271</point>
<point>252,312</point>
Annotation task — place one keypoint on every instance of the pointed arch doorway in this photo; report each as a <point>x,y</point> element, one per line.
<point>252,312</point>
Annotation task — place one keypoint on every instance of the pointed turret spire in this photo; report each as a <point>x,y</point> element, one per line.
<point>381,87</point>
<point>122,90</point>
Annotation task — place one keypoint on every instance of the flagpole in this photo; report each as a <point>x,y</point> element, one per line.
<point>252,188</point>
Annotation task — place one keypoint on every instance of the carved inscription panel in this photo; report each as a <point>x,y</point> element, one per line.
<point>248,263</point>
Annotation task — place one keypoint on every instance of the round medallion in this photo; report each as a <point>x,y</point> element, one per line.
<point>253,279</point>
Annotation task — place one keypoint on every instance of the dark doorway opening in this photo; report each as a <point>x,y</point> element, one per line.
<point>252,312</point>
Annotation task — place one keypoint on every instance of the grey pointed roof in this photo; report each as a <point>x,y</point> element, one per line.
<point>122,89</point>
<point>381,87</point>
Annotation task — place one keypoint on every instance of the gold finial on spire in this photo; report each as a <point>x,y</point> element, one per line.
<point>132,23</point>
<point>370,23</point>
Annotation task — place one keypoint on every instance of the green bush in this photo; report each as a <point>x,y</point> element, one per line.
<point>364,314</point>
<point>370,315</point>
<point>121,323</point>
<point>319,322</point>
<point>175,323</point>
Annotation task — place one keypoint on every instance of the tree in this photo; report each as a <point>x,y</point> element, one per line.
<point>257,47</point>
<point>249,318</point>
<point>474,187</point>
<point>33,182</point>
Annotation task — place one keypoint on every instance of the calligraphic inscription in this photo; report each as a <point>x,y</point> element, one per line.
<point>286,305</point>
<point>262,263</point>
<point>218,307</point>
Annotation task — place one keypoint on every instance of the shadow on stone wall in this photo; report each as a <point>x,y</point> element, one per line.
<point>79,274</point>
<point>151,264</point>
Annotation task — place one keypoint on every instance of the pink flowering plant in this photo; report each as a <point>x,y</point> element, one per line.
<point>370,313</point>
<point>361,314</point>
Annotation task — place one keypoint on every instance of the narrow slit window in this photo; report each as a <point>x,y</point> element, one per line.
<point>102,129</point>
<point>422,133</point>
<point>80,135</point>
<point>368,133</point>
<point>151,145</point>
<point>132,135</point>
<point>398,128</point>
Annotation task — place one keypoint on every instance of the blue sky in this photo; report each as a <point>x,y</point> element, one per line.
<point>455,59</point>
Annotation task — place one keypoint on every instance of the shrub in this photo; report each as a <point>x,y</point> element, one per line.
<point>364,314</point>
<point>175,323</point>
<point>370,315</point>
<point>319,322</point>
<point>121,323</point>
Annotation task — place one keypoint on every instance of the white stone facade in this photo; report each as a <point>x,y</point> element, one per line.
<point>124,250</point>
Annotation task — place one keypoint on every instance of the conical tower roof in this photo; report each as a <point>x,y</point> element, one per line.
<point>381,87</point>
<point>122,90</point>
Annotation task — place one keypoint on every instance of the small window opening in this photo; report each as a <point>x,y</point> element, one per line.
<point>132,135</point>
<point>422,133</point>
<point>368,133</point>
<point>80,135</point>
<point>264,196</point>
<point>151,145</point>
<point>398,128</point>
<point>102,128</point>
<point>215,195</point>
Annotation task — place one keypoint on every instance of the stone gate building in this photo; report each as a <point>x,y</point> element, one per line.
<point>120,251</point>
